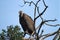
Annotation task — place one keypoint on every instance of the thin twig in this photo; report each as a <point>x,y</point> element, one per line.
<point>53,25</point>
<point>51,20</point>
<point>37,2</point>
<point>29,2</point>
<point>50,34</point>
<point>44,3</point>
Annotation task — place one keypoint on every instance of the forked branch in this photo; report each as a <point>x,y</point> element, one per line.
<point>51,34</point>
<point>40,14</point>
<point>43,22</point>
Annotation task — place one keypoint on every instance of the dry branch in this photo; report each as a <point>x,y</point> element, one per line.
<point>54,25</point>
<point>40,14</point>
<point>43,22</point>
<point>51,34</point>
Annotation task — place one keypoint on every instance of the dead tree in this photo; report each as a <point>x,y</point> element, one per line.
<point>43,21</point>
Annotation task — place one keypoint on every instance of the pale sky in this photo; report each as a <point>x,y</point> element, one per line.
<point>9,13</point>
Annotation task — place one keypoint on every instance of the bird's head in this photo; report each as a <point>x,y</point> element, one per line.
<point>20,13</point>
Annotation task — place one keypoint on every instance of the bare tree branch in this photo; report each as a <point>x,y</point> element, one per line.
<point>41,13</point>
<point>57,36</point>
<point>44,3</point>
<point>41,33</point>
<point>29,2</point>
<point>35,8</point>
<point>40,26</point>
<point>43,10</point>
<point>51,20</point>
<point>43,22</point>
<point>50,34</point>
<point>38,2</point>
<point>53,24</point>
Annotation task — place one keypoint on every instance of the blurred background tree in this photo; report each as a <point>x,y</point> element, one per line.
<point>12,33</point>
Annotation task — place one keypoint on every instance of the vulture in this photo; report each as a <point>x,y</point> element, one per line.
<point>27,23</point>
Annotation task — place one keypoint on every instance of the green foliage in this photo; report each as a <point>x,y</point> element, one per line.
<point>13,32</point>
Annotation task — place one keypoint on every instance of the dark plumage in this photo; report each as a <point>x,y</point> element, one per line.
<point>26,22</point>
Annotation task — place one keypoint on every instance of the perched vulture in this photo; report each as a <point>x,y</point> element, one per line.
<point>26,22</point>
